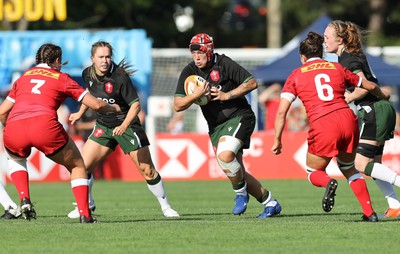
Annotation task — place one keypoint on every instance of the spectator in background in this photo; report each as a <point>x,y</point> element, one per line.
<point>378,117</point>
<point>296,117</point>
<point>63,115</point>
<point>111,82</point>
<point>270,98</point>
<point>231,121</point>
<point>176,124</point>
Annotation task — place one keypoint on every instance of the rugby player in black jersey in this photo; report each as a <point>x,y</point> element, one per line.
<point>378,117</point>
<point>111,82</point>
<point>230,119</point>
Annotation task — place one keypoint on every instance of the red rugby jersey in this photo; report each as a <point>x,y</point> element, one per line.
<point>40,91</point>
<point>320,85</point>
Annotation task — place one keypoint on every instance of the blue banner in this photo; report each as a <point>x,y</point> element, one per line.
<point>18,49</point>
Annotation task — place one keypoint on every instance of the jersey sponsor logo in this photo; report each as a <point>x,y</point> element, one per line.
<point>318,66</point>
<point>109,101</point>
<point>98,133</point>
<point>108,87</point>
<point>214,75</point>
<point>42,72</point>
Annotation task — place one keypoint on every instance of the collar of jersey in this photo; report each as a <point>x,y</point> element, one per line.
<point>43,65</point>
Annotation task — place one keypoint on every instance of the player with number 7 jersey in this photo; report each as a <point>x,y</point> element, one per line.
<point>29,114</point>
<point>40,91</point>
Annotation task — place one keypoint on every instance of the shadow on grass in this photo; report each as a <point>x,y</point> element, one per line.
<point>206,216</point>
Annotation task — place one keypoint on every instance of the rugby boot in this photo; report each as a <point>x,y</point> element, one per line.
<point>84,219</point>
<point>240,204</point>
<point>11,213</point>
<point>270,211</point>
<point>392,213</point>
<point>329,197</point>
<point>27,210</point>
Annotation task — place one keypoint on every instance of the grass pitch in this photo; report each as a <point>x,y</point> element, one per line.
<point>131,221</point>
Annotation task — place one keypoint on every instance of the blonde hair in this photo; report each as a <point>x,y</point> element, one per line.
<point>350,34</point>
<point>128,69</point>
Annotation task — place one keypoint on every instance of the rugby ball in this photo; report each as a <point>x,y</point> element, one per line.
<point>190,83</point>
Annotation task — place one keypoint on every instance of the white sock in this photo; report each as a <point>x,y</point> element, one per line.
<point>242,191</point>
<point>269,201</point>
<point>158,191</point>
<point>5,199</point>
<point>91,182</point>
<point>381,172</point>
<point>390,195</point>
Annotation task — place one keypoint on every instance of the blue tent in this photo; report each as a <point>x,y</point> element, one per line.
<point>281,68</point>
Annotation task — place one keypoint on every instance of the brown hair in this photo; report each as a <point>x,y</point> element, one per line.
<point>350,34</point>
<point>312,46</point>
<point>48,54</point>
<point>127,67</point>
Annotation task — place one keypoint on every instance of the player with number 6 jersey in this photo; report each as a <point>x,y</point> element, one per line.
<point>333,126</point>
<point>327,94</point>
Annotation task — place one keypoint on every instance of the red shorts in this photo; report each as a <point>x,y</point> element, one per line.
<point>333,133</point>
<point>42,132</point>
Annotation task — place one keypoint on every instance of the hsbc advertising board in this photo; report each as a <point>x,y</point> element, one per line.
<point>191,157</point>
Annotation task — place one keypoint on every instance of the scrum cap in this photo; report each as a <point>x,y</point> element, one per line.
<point>202,42</point>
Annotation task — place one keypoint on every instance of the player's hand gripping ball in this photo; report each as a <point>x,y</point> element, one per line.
<point>192,81</point>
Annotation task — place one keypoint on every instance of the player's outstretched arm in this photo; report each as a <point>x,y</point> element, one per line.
<point>100,105</point>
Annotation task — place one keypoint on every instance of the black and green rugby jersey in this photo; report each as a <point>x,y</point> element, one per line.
<point>357,64</point>
<point>226,75</point>
<point>115,87</point>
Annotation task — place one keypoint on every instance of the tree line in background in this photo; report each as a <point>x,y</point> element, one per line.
<point>233,23</point>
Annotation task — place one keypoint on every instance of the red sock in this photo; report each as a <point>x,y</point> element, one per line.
<point>81,192</point>
<point>20,179</point>
<point>319,178</point>
<point>359,188</point>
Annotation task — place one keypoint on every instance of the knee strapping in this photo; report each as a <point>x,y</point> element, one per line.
<point>309,171</point>
<point>230,168</point>
<point>367,150</point>
<point>344,165</point>
<point>233,145</point>
<point>355,177</point>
